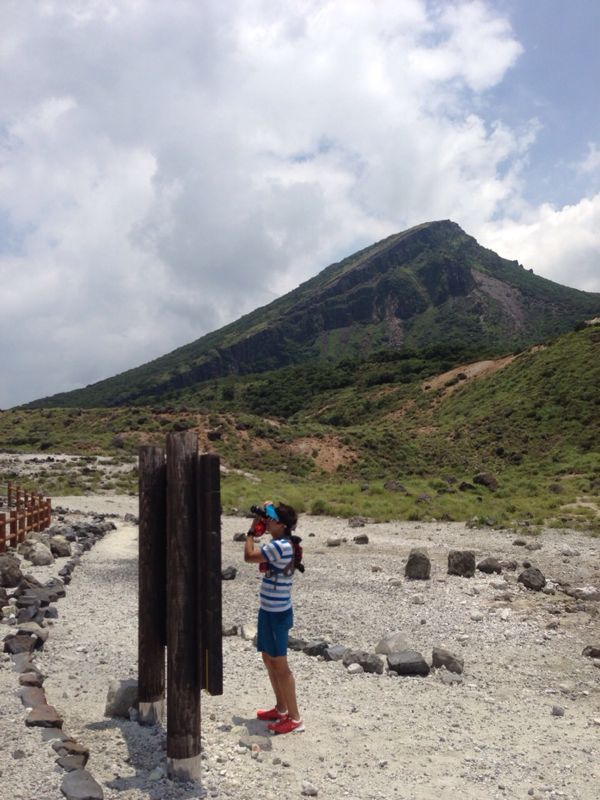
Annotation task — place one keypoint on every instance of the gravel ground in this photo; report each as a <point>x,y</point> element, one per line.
<point>367,736</point>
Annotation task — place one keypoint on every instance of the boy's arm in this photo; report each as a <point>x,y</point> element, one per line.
<point>252,555</point>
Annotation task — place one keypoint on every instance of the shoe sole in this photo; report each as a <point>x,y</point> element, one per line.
<point>300,729</point>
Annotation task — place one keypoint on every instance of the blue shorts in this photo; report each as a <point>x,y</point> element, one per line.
<point>273,629</point>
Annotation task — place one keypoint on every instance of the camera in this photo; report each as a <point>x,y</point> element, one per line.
<point>258,512</point>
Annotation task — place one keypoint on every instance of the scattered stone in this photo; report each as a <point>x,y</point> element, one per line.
<point>40,555</point>
<point>354,669</point>
<point>591,651</point>
<point>80,785</point>
<point>10,571</point>
<point>568,551</point>
<point>393,486</point>
<point>239,537</point>
<point>533,579</point>
<point>449,678</point>
<point>461,562</point>
<point>333,542</point>
<point>309,789</point>
<point>444,658</point>
<point>120,697</point>
<point>583,592</point>
<point>251,740</point>
<point>335,653</point>
<point>368,661</point>
<point>228,574</point>
<point>489,565</point>
<point>357,522</point>
<point>418,565</point>
<point>297,644</point>
<point>362,538</point>
<point>60,547</point>
<point>531,546</point>
<point>44,717</point>
<point>316,647</point>
<point>486,479</point>
<point>408,662</point>
<point>558,711</point>
<point>476,616</point>
<point>230,630</point>
<point>519,542</point>
<point>392,643</point>
<point>248,631</point>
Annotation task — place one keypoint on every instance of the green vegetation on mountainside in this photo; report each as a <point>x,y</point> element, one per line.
<point>330,437</point>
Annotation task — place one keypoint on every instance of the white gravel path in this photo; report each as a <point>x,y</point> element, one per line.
<point>367,736</point>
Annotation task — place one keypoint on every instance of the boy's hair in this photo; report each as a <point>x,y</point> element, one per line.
<point>288,516</point>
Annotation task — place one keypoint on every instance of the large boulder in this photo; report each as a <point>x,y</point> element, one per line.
<point>368,661</point>
<point>533,579</point>
<point>461,562</point>
<point>487,480</point>
<point>10,571</point>
<point>316,647</point>
<point>418,565</point>
<point>81,785</point>
<point>408,662</point>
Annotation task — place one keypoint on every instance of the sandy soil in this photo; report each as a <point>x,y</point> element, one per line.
<point>494,735</point>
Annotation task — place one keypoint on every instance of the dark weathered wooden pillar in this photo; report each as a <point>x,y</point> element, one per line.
<point>209,573</point>
<point>183,678</point>
<point>152,583</point>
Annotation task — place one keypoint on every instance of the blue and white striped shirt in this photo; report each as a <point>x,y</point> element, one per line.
<point>276,589</point>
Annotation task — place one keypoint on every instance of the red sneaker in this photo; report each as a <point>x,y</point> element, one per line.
<point>271,714</point>
<point>287,725</point>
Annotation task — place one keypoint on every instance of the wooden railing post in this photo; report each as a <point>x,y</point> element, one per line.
<point>152,585</point>
<point>13,529</point>
<point>2,532</point>
<point>183,679</point>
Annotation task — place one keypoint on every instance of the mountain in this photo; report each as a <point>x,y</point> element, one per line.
<point>432,286</point>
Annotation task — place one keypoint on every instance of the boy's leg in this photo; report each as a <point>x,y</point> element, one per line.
<point>280,698</point>
<point>286,684</point>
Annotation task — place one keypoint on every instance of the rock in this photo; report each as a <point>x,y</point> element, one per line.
<point>466,487</point>
<point>239,537</point>
<point>583,592</point>
<point>71,748</point>
<point>248,631</point>
<point>122,694</point>
<point>131,519</point>
<point>444,658</point>
<point>80,785</point>
<point>357,522</point>
<point>21,643</point>
<point>40,555</point>
<point>230,630</point>
<point>362,538</point>
<point>354,669</point>
<point>10,571</point>
<point>532,578</point>
<point>309,789</point>
<point>333,542</point>
<point>32,678</point>
<point>486,479</point>
<point>461,562</point>
<point>531,546</point>
<point>393,486</point>
<point>368,661</point>
<point>519,542</point>
<point>489,565</point>
<point>508,564</point>
<point>418,565</point>
<point>32,696</point>
<point>316,647</point>
<point>251,740</point>
<point>297,644</point>
<point>591,651</point>
<point>558,711</point>
<point>392,643</point>
<point>44,716</point>
<point>228,574</point>
<point>335,652</point>
<point>567,550</point>
<point>60,547</point>
<point>476,616</point>
<point>449,678</point>
<point>408,662</point>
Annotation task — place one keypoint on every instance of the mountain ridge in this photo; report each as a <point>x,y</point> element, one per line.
<point>428,285</point>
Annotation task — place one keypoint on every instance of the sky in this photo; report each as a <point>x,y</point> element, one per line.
<point>169,165</point>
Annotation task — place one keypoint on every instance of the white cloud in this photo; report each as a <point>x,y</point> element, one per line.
<point>166,167</point>
<point>591,163</point>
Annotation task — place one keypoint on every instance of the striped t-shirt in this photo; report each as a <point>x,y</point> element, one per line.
<point>276,588</point>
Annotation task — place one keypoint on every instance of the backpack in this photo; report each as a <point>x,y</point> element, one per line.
<point>295,564</point>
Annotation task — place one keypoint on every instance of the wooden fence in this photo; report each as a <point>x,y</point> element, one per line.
<point>20,513</point>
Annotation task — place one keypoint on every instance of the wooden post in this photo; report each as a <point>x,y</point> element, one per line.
<point>2,532</point>
<point>152,595</point>
<point>183,679</point>
<point>209,574</point>
<point>13,529</point>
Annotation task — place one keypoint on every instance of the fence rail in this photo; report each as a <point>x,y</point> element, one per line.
<point>20,513</point>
